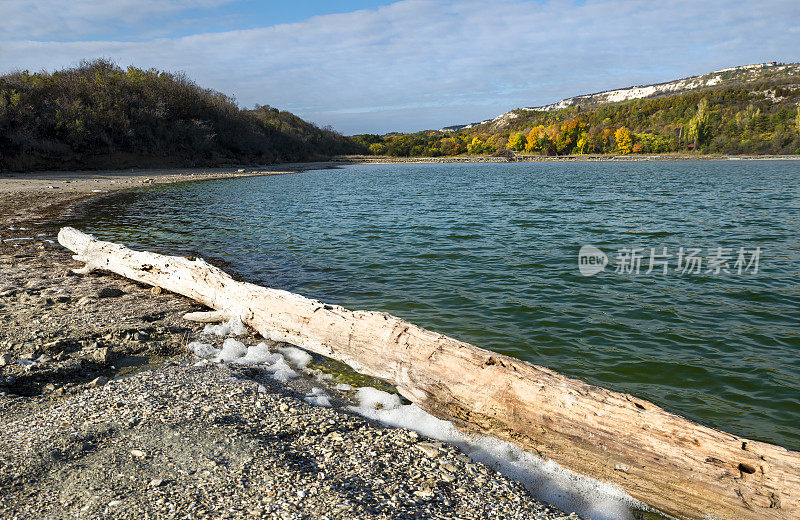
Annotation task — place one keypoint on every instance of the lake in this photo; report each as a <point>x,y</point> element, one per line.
<point>489,254</point>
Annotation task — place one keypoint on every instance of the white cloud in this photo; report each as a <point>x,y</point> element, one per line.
<point>425,64</point>
<point>73,19</point>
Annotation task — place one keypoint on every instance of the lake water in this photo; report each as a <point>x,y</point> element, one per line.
<point>488,253</point>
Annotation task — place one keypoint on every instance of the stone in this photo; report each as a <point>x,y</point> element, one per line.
<point>86,300</point>
<point>100,355</point>
<point>98,382</point>
<point>447,477</point>
<point>5,359</point>
<point>430,450</point>
<point>449,467</point>
<point>138,454</point>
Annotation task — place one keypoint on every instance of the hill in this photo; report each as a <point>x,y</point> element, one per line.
<point>98,115</point>
<point>752,109</point>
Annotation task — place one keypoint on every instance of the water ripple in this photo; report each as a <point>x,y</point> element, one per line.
<point>487,253</point>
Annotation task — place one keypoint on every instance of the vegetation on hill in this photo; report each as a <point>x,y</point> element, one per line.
<point>100,115</point>
<point>757,118</point>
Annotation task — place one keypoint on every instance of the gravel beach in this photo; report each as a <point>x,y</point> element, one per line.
<point>106,414</point>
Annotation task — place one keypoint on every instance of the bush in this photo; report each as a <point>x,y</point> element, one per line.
<point>98,114</point>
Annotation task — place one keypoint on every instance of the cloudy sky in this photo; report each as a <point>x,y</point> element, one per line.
<point>372,66</point>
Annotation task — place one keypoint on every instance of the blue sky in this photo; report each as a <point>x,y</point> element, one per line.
<point>370,66</point>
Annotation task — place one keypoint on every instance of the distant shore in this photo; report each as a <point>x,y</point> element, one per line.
<point>374,159</point>
<point>72,181</point>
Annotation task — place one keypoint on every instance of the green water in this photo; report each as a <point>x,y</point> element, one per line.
<point>487,253</point>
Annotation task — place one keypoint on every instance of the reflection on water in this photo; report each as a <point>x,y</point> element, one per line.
<point>487,253</point>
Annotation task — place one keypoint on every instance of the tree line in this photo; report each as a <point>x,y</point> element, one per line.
<point>100,115</point>
<point>761,118</point>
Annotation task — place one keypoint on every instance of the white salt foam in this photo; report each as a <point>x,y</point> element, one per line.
<point>233,327</point>
<point>295,356</point>
<point>545,480</point>
<point>203,350</point>
<point>258,355</point>
<point>231,350</point>
<point>318,397</point>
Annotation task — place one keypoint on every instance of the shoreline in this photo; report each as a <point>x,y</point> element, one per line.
<point>101,401</point>
<point>87,181</point>
<point>367,159</point>
<point>48,194</point>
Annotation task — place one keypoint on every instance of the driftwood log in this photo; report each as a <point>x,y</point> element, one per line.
<point>675,465</point>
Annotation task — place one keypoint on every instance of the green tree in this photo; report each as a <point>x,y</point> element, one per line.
<point>377,149</point>
<point>475,147</point>
<point>517,142</point>
<point>797,119</point>
<point>697,130</point>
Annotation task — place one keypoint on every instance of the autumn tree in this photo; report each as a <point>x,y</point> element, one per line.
<point>567,134</point>
<point>517,142</point>
<point>539,141</point>
<point>624,140</point>
<point>582,146</point>
<point>377,149</point>
<point>532,139</point>
<point>475,147</point>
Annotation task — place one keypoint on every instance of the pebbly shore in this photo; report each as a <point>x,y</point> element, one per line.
<point>106,413</point>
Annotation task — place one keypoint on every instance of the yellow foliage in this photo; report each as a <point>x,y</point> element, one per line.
<point>624,140</point>
<point>517,142</point>
<point>797,120</point>
<point>475,147</point>
<point>533,138</point>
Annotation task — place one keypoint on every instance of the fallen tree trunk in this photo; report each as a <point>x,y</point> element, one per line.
<point>675,465</point>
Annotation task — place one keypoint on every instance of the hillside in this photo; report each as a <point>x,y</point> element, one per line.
<point>98,115</point>
<point>753,109</point>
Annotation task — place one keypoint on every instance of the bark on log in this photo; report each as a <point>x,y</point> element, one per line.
<point>680,467</point>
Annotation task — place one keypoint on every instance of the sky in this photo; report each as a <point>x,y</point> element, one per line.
<point>370,66</point>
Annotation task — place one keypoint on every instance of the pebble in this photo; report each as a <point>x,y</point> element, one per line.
<point>5,359</point>
<point>86,300</point>
<point>98,382</point>
<point>449,467</point>
<point>100,355</point>
<point>228,458</point>
<point>430,450</point>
